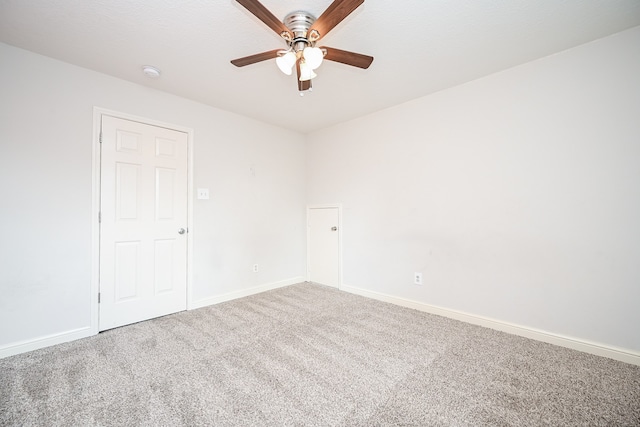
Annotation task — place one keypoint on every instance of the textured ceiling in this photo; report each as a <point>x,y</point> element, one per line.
<point>419,46</point>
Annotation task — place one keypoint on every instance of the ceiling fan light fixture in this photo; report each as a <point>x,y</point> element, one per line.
<point>301,30</point>
<point>313,56</point>
<point>306,72</point>
<point>286,62</point>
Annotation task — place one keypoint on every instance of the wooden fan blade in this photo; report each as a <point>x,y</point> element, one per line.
<point>305,85</point>
<point>350,58</point>
<point>302,86</point>
<point>263,14</point>
<point>335,13</point>
<point>258,57</point>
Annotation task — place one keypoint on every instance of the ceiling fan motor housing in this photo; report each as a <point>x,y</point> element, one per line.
<point>299,23</point>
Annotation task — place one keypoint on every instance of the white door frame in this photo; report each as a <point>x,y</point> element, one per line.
<point>325,206</point>
<point>95,206</point>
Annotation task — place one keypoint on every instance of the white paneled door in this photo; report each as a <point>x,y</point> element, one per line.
<point>323,245</point>
<point>143,225</point>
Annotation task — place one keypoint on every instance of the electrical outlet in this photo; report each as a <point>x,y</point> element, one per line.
<point>417,279</point>
<point>255,268</point>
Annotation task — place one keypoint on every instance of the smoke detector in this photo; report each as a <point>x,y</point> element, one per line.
<point>151,72</point>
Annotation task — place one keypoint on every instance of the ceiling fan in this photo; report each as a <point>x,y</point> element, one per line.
<point>301,31</point>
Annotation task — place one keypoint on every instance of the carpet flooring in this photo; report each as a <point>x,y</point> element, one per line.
<point>309,355</point>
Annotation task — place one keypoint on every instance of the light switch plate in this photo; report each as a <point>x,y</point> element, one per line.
<point>203,194</point>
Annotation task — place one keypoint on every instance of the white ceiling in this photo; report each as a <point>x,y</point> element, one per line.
<point>420,47</point>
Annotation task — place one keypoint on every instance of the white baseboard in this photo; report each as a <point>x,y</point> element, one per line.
<point>46,341</point>
<point>53,339</point>
<point>623,355</point>
<point>244,292</point>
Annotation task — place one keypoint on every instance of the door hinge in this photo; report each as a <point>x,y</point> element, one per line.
<point>99,217</point>
<point>100,137</point>
<point>98,297</point>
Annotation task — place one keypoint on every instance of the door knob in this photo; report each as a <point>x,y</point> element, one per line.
<point>182,231</point>
<point>334,228</point>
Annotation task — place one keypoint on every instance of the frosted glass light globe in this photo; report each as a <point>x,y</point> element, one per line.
<point>306,73</point>
<point>286,62</point>
<point>313,56</point>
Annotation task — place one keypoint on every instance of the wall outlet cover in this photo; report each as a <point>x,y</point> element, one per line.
<point>417,279</point>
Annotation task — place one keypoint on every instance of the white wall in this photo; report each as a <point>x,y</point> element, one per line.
<point>46,119</point>
<point>517,195</point>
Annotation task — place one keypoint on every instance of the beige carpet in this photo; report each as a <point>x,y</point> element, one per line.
<point>308,355</point>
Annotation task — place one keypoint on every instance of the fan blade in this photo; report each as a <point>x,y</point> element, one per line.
<point>335,13</point>
<point>350,58</point>
<point>302,86</point>
<point>258,57</point>
<point>305,85</point>
<point>263,14</point>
